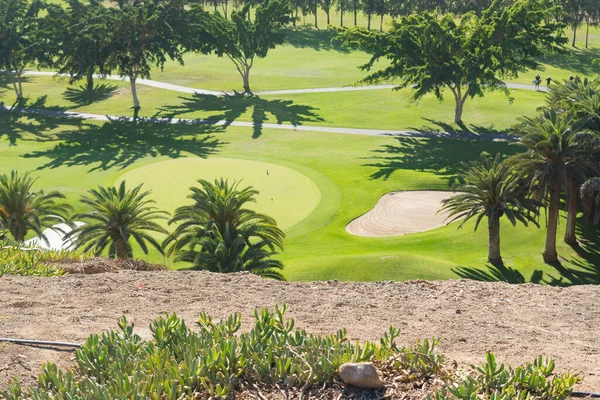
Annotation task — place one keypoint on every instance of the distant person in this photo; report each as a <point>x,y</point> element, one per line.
<point>571,78</point>
<point>537,81</point>
<point>548,82</point>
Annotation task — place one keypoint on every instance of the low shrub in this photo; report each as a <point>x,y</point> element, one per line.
<point>18,260</point>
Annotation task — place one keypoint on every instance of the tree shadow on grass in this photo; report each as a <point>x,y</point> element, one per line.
<point>229,108</point>
<point>576,62</point>
<point>466,130</point>
<point>316,39</point>
<point>118,143</point>
<point>582,270</point>
<point>497,273</point>
<point>435,155</point>
<point>82,96</point>
<point>21,121</point>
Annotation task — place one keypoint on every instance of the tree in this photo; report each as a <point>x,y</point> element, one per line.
<point>242,40</point>
<point>555,160</point>
<point>219,234</point>
<point>19,21</point>
<point>22,209</point>
<point>468,56</point>
<point>342,7</point>
<point>580,98</point>
<point>590,196</point>
<point>79,39</point>
<point>144,33</point>
<point>493,191</point>
<point>369,8</point>
<point>326,6</point>
<point>118,215</point>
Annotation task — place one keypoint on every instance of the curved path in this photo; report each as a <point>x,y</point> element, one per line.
<point>190,90</point>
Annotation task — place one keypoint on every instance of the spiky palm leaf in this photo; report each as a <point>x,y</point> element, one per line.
<point>22,209</point>
<point>218,233</point>
<point>118,215</point>
<point>491,190</point>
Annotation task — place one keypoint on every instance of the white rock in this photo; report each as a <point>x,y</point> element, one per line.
<point>361,375</point>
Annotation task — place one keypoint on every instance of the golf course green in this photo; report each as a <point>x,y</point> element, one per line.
<point>285,194</point>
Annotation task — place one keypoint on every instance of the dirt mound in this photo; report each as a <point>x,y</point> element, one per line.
<point>99,265</point>
<point>517,322</point>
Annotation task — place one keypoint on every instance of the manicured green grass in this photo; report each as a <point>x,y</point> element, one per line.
<point>376,109</point>
<point>285,194</point>
<point>351,173</point>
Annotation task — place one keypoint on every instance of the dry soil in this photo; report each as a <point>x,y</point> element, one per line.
<point>517,322</point>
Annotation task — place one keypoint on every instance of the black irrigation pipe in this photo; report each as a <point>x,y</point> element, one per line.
<point>39,342</point>
<point>586,394</point>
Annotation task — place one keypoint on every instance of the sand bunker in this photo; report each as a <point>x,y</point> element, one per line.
<point>399,213</point>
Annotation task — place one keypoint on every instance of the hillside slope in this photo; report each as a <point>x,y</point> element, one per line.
<point>517,322</point>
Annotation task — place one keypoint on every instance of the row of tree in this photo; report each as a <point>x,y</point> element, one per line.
<point>562,158</point>
<point>217,232</point>
<point>576,12</point>
<point>84,40</point>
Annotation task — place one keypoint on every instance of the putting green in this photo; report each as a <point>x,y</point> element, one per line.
<point>285,194</point>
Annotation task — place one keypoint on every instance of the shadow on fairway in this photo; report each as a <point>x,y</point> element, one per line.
<point>6,82</point>
<point>229,108</point>
<point>573,61</point>
<point>582,270</point>
<point>468,130</point>
<point>436,155</point>
<point>81,96</point>
<point>17,125</point>
<point>120,142</point>
<point>497,273</point>
<point>316,39</point>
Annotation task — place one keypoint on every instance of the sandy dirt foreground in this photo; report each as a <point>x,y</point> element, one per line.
<point>399,213</point>
<point>517,322</point>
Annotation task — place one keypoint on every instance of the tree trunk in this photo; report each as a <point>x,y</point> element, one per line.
<point>121,248</point>
<point>574,36</point>
<point>369,21</point>
<point>14,83</point>
<point>572,197</point>
<point>355,5</point>
<point>246,78</point>
<point>494,241</point>
<point>587,34</point>
<point>136,102</point>
<point>341,17</point>
<point>381,24</point>
<point>20,83</point>
<point>316,22</point>
<point>458,110</point>
<point>90,80</point>
<point>550,255</point>
<point>328,20</point>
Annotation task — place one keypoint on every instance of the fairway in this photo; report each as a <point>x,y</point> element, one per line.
<point>285,194</point>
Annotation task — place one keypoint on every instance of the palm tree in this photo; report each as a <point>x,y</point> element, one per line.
<point>491,190</point>
<point>580,98</point>
<point>557,157</point>
<point>218,233</point>
<point>117,216</point>
<point>22,209</point>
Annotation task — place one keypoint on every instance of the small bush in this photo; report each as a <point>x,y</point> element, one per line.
<point>496,382</point>
<point>18,260</point>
